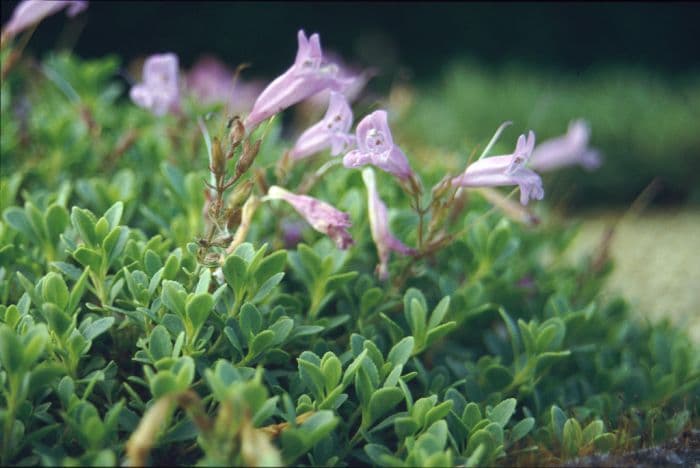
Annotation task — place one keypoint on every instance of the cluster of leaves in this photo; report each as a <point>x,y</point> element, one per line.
<point>117,344</point>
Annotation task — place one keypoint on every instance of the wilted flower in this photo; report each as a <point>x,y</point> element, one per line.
<point>29,12</point>
<point>331,131</point>
<point>379,225</point>
<point>376,146</point>
<point>566,150</point>
<point>309,74</point>
<point>320,215</point>
<point>506,170</point>
<point>159,92</point>
<point>213,82</point>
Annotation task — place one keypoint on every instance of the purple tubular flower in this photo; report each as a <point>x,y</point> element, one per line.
<point>376,146</point>
<point>566,150</point>
<point>320,215</point>
<point>506,170</point>
<point>379,225</point>
<point>159,92</point>
<point>331,131</point>
<point>309,74</point>
<point>29,12</point>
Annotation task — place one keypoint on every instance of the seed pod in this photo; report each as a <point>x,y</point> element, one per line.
<point>218,162</point>
<point>250,152</point>
<point>237,131</point>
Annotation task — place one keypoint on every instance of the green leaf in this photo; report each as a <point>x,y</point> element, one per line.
<point>497,377</point>
<point>482,437</point>
<point>332,371</point>
<point>250,320</point>
<point>401,352</point>
<point>439,312</point>
<point>56,219</point>
<point>77,292</point>
<point>405,426</point>
<point>33,344</point>
<point>312,376</point>
<point>151,262</point>
<point>89,258</point>
<point>11,355</point>
<point>174,297</point>
<point>381,402</point>
<point>65,390</point>
<point>261,342</point>
<point>55,291</point>
<point>471,415</point>
<point>557,420</point>
<point>17,219</point>
<point>271,265</point>
<point>198,308</point>
<point>97,328</point>
<point>416,321</point>
<point>593,430</point>
<point>503,411</point>
<point>159,343</point>
<point>604,442</point>
<point>439,331</point>
<point>521,429</point>
<point>267,287</point>
<point>281,328</point>
<point>235,269</point>
<point>114,214</point>
<point>84,222</point>
<point>59,322</point>
<point>437,413</point>
<point>572,437</point>
<point>115,242</point>
<point>163,383</point>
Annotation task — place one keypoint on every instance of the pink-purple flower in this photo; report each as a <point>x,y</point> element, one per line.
<point>309,74</point>
<point>320,215</point>
<point>211,82</point>
<point>566,150</point>
<point>379,225</point>
<point>375,146</point>
<point>331,132</point>
<point>159,91</point>
<point>29,12</point>
<point>357,77</point>
<point>506,170</point>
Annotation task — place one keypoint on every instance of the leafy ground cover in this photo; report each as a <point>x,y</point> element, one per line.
<point>130,333</point>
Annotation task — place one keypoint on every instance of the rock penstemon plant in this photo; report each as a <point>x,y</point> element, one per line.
<point>160,305</point>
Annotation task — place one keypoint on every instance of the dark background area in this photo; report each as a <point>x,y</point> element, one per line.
<point>421,37</point>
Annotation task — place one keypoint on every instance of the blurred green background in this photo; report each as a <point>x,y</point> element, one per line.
<point>631,69</point>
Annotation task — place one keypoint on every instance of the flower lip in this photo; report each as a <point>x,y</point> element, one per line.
<point>375,146</point>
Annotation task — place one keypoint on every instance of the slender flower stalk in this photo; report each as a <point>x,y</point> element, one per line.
<point>379,225</point>
<point>375,146</point>
<point>331,132</point>
<point>566,150</point>
<point>506,170</point>
<point>320,215</point>
<point>309,74</point>
<point>159,92</point>
<point>30,12</point>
